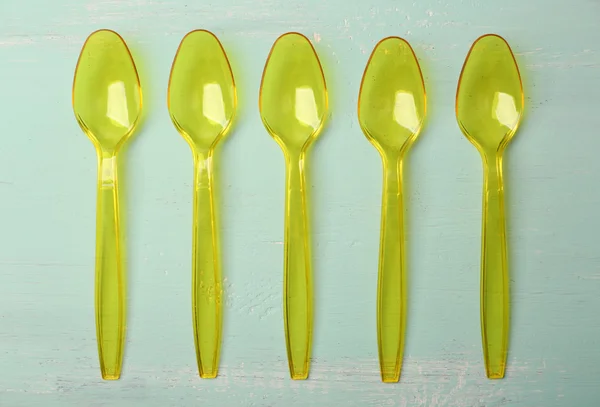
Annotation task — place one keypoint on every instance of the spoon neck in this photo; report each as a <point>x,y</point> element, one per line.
<point>493,182</point>
<point>104,152</point>
<point>392,175</point>
<point>202,168</point>
<point>294,157</point>
<point>201,155</point>
<point>492,165</point>
<point>107,170</point>
<point>295,167</point>
<point>391,160</point>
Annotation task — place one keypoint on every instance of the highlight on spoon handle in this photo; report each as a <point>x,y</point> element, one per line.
<point>110,271</point>
<point>206,271</point>
<point>494,272</point>
<point>391,285</point>
<point>297,278</point>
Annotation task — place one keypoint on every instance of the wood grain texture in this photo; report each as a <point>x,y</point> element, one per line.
<point>47,211</point>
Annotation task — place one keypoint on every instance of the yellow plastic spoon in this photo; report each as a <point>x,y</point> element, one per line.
<point>489,108</point>
<point>293,105</point>
<point>202,102</point>
<point>391,112</point>
<point>107,101</point>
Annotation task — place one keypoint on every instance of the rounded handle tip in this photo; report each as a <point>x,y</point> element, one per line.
<point>390,377</point>
<point>111,374</point>
<point>495,372</point>
<point>208,372</point>
<point>299,375</point>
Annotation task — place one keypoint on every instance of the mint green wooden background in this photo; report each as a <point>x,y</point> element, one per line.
<point>48,352</point>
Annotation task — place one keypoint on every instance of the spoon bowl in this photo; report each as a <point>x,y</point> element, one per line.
<point>489,100</point>
<point>293,95</point>
<point>107,95</point>
<point>201,94</point>
<point>392,102</point>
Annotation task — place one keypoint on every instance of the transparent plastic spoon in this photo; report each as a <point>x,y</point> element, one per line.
<point>107,101</point>
<point>391,112</point>
<point>202,102</point>
<point>293,105</point>
<point>489,108</point>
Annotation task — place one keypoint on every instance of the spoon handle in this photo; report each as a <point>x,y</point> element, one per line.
<point>297,279</point>
<point>391,285</point>
<point>206,274</point>
<point>494,272</point>
<point>110,271</point>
